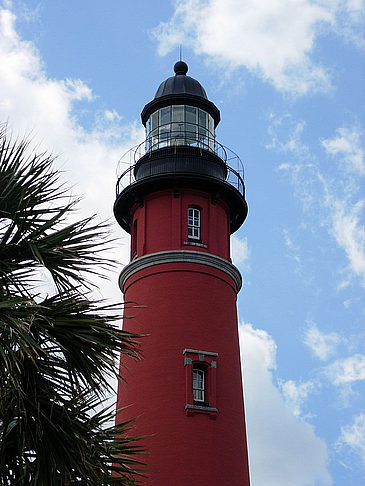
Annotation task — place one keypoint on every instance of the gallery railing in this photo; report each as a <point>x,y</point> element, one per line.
<point>173,141</point>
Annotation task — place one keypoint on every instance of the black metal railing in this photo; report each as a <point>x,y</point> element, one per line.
<point>154,146</point>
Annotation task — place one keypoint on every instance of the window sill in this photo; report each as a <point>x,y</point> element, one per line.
<point>195,243</point>
<point>191,409</point>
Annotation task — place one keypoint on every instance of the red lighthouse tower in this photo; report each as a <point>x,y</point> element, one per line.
<point>180,200</point>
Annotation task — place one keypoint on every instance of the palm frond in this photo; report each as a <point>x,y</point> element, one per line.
<point>57,353</point>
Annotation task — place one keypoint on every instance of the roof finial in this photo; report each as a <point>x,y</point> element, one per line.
<point>180,51</point>
<point>181,68</point>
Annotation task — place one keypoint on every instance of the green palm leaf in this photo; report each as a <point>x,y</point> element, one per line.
<point>57,353</point>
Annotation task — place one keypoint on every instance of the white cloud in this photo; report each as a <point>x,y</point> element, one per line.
<point>346,370</point>
<point>42,107</point>
<point>347,145</point>
<point>349,302</point>
<point>112,115</point>
<point>353,436</point>
<point>346,215</point>
<point>34,103</point>
<point>240,251</point>
<point>272,39</point>
<point>349,232</point>
<point>295,394</point>
<point>334,193</point>
<point>350,22</point>
<point>322,345</point>
<point>292,247</point>
<point>283,450</point>
<point>293,135</point>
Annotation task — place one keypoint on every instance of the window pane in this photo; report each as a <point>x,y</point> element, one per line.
<point>154,120</point>
<point>178,113</point>
<point>165,115</point>
<point>191,133</point>
<point>203,133</point>
<point>154,139</point>
<point>178,128</point>
<point>190,114</point>
<point>211,125</point>
<point>194,232</point>
<point>177,134</point>
<point>164,132</point>
<point>198,385</point>
<point>164,136</point>
<point>203,118</point>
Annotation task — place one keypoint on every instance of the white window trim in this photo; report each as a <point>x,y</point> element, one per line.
<point>195,216</point>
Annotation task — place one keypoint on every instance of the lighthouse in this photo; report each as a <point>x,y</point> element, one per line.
<point>180,198</point>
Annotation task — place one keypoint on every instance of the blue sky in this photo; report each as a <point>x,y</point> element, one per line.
<point>288,78</point>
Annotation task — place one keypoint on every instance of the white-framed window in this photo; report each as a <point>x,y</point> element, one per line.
<point>134,239</point>
<point>198,385</point>
<point>200,382</point>
<point>194,223</point>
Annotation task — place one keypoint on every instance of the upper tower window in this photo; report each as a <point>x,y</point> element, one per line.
<point>134,240</point>
<point>194,223</point>
<point>180,125</point>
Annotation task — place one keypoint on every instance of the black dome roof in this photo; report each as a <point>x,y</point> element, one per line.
<point>180,89</point>
<point>181,83</point>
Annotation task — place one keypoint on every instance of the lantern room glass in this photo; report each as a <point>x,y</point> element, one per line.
<point>180,125</point>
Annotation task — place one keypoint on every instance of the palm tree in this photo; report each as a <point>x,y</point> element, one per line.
<point>58,351</point>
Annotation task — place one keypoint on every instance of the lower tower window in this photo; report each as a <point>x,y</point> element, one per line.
<point>198,385</point>
<point>200,382</point>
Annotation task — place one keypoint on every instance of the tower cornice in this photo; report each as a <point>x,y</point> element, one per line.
<point>180,256</point>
